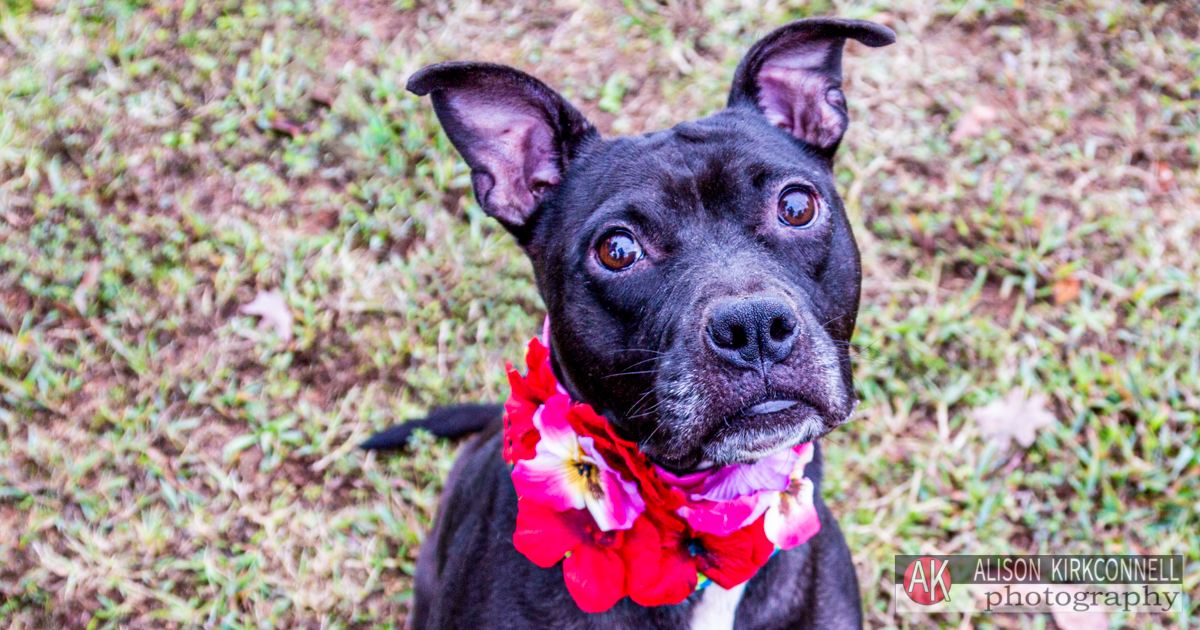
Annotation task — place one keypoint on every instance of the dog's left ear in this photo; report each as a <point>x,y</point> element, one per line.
<point>794,77</point>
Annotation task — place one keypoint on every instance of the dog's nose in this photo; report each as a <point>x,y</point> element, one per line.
<point>753,332</point>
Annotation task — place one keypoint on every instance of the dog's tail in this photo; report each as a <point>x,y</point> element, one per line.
<point>446,422</point>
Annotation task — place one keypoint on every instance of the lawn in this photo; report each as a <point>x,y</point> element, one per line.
<point>1023,179</point>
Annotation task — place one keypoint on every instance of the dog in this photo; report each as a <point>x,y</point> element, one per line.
<point>701,285</point>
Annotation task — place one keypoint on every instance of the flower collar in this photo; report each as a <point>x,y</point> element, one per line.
<point>623,526</point>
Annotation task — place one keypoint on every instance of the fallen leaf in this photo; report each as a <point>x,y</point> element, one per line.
<point>1015,416</point>
<point>973,123</point>
<point>1080,620</point>
<point>321,221</point>
<point>1064,620</point>
<point>1073,620</point>
<point>271,307</point>
<point>1065,290</point>
<point>1164,177</point>
<point>322,95</point>
<point>284,125</point>
<point>90,277</point>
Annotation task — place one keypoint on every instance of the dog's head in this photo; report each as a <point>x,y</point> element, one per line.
<point>702,282</point>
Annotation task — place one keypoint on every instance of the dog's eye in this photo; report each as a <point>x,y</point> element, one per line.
<point>797,207</point>
<point>618,250</point>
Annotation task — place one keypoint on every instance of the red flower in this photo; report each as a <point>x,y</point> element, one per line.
<point>528,392</point>
<point>726,560</point>
<point>520,436</point>
<point>597,563</point>
<point>541,374</point>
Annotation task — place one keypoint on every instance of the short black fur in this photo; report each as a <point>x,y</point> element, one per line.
<point>728,311</point>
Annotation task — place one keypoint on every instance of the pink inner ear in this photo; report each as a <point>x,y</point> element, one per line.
<point>795,96</point>
<point>516,148</point>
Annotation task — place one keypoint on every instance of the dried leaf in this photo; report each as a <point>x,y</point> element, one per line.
<point>1065,290</point>
<point>283,125</point>
<point>90,277</point>
<point>1015,416</point>
<point>973,123</point>
<point>271,307</point>
<point>1064,620</point>
<point>1164,177</point>
<point>1080,621</point>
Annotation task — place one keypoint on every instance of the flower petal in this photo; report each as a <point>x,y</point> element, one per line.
<point>544,535</point>
<point>692,482</point>
<point>672,582</point>
<point>618,503</point>
<point>721,518</point>
<point>763,549</point>
<point>805,453</point>
<point>793,520</point>
<point>738,480</point>
<point>659,574</point>
<point>520,436</point>
<point>733,559</point>
<point>540,378</point>
<point>595,578</point>
<point>618,506</point>
<point>551,422</point>
<point>549,480</point>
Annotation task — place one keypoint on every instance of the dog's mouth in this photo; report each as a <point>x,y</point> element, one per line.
<point>768,406</point>
<point>764,428</point>
<point>752,433</point>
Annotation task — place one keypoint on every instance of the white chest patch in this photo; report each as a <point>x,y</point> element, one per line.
<point>716,607</point>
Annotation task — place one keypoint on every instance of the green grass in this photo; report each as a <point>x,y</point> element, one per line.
<point>166,463</point>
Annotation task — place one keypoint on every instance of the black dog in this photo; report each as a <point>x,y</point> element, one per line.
<point>702,284</point>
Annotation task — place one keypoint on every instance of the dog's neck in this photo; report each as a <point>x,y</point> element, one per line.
<point>564,379</point>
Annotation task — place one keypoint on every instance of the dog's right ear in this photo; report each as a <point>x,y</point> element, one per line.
<point>515,133</point>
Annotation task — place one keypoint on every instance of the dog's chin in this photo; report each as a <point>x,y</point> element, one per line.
<point>748,437</point>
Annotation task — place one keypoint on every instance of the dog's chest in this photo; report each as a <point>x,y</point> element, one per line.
<point>717,608</point>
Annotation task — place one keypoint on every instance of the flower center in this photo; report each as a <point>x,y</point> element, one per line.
<point>607,540</point>
<point>695,547</point>
<point>590,474</point>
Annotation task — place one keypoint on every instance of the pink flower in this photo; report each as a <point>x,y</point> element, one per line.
<point>731,497</point>
<point>568,473</point>
<point>792,517</point>
<point>739,480</point>
<point>721,518</point>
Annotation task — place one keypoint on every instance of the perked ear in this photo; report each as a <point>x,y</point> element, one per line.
<point>515,133</point>
<point>794,77</point>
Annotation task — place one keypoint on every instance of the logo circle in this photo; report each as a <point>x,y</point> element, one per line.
<point>927,581</point>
